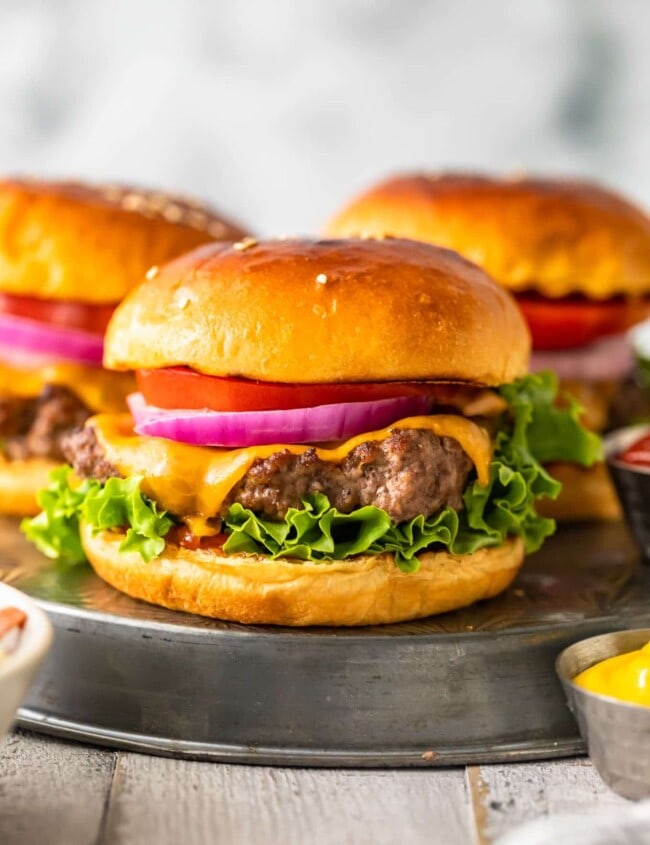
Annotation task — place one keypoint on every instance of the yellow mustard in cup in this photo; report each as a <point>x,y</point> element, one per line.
<point>625,677</point>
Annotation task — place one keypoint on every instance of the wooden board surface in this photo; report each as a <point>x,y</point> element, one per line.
<point>60,793</point>
<point>52,793</point>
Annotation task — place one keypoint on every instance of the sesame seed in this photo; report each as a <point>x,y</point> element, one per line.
<point>196,219</point>
<point>321,278</point>
<point>183,302</point>
<point>245,243</point>
<point>132,201</point>
<point>159,201</point>
<point>192,201</point>
<point>173,213</point>
<point>152,272</point>
<point>216,229</point>
<point>113,193</point>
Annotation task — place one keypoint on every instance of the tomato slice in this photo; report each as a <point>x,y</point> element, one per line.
<point>575,321</point>
<point>67,314</point>
<point>181,387</point>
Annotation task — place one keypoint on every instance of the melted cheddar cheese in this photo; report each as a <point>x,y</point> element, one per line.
<point>193,482</point>
<point>99,389</point>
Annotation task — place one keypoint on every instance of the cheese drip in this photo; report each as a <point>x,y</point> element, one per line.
<point>192,482</point>
<point>101,390</point>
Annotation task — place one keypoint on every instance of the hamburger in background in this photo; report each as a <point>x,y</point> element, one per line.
<point>577,258</point>
<point>326,433</point>
<point>68,254</point>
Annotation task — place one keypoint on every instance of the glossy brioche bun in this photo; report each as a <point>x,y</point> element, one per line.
<point>367,590</point>
<point>63,240</point>
<point>20,481</point>
<point>553,236</point>
<point>322,311</point>
<point>587,494</point>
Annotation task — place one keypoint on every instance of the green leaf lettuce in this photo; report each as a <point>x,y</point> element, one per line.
<point>116,504</point>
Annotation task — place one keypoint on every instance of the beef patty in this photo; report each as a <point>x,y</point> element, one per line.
<point>411,472</point>
<point>34,426</point>
<point>83,451</point>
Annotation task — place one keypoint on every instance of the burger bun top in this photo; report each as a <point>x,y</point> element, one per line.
<point>555,237</point>
<point>322,311</point>
<point>91,244</point>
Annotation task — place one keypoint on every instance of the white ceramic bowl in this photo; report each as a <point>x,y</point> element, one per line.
<point>19,668</point>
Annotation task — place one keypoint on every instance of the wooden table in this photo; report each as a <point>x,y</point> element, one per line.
<point>61,793</point>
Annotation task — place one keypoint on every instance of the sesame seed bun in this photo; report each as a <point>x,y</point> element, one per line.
<point>88,244</point>
<point>365,590</point>
<point>63,240</point>
<point>322,311</point>
<point>553,236</point>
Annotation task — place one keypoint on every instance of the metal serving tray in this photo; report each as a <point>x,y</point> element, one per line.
<point>476,685</point>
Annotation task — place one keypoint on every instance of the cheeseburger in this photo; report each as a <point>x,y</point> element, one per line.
<point>68,254</point>
<point>326,433</point>
<point>577,258</point>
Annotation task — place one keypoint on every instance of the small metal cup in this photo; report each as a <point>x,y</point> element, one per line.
<point>632,484</point>
<point>616,733</point>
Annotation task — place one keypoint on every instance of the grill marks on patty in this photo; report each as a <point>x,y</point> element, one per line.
<point>411,472</point>
<point>35,426</point>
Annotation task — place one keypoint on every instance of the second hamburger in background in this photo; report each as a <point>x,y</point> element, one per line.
<point>68,255</point>
<point>577,258</point>
<point>327,432</point>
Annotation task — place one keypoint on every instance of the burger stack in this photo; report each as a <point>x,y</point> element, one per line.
<point>337,432</point>
<point>68,254</point>
<point>577,259</point>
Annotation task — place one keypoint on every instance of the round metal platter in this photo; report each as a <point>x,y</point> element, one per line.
<point>476,685</point>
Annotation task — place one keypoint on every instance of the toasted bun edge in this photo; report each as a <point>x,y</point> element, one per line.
<point>366,590</point>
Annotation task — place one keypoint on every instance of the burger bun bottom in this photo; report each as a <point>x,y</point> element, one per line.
<point>250,589</point>
<point>587,495</point>
<point>20,481</point>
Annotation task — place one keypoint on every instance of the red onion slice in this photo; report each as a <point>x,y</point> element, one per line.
<point>611,358</point>
<point>31,336</point>
<point>23,359</point>
<point>255,428</point>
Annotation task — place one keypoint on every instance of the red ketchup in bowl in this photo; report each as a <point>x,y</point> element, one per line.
<point>638,454</point>
<point>12,620</point>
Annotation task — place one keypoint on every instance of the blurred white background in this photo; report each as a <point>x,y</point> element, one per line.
<point>278,111</point>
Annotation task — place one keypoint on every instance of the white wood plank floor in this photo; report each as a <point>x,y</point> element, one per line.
<point>59,793</point>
